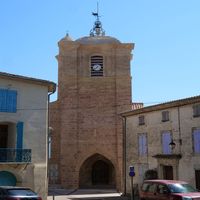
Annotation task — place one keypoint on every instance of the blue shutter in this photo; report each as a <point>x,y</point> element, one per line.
<point>142,144</point>
<point>11,101</point>
<point>8,100</point>
<point>196,139</point>
<point>3,97</point>
<point>20,126</point>
<point>166,139</point>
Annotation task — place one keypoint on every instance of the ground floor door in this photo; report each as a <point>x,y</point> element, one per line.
<point>168,172</point>
<point>197,178</point>
<point>7,179</point>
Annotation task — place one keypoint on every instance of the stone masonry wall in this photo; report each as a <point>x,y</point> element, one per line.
<point>87,119</point>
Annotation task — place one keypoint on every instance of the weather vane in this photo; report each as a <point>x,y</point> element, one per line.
<point>97,28</point>
<point>96,14</point>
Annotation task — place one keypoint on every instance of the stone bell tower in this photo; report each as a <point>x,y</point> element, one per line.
<point>94,87</point>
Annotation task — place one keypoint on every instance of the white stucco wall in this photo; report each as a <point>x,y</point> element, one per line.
<point>32,104</point>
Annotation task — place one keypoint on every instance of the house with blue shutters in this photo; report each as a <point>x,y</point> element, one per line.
<point>24,131</point>
<point>163,141</point>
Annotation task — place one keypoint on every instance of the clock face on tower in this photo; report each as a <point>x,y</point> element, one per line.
<point>96,67</point>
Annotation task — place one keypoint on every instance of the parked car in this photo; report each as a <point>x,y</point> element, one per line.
<point>17,193</point>
<point>168,190</point>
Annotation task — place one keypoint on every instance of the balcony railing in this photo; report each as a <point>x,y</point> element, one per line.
<point>9,155</point>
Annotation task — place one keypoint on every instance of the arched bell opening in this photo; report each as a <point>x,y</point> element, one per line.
<point>97,172</point>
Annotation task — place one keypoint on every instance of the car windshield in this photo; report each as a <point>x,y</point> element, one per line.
<point>21,192</point>
<point>181,188</point>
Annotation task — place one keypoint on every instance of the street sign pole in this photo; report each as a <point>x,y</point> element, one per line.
<point>132,174</point>
<point>132,189</point>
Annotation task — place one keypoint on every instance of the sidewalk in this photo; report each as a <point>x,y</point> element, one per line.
<point>64,194</point>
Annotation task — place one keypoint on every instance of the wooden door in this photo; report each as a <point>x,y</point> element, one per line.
<point>168,172</point>
<point>197,178</point>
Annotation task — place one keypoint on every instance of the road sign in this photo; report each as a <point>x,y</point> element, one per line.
<point>131,171</point>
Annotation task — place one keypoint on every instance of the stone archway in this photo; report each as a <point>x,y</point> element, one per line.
<point>100,173</point>
<point>97,172</point>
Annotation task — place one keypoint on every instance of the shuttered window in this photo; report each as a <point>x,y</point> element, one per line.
<point>196,140</point>
<point>166,139</point>
<point>20,127</point>
<point>8,100</point>
<point>141,120</point>
<point>142,168</point>
<point>165,116</point>
<point>96,65</point>
<point>196,110</point>
<point>142,143</point>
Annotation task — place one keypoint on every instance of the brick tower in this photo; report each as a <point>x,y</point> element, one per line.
<point>94,87</point>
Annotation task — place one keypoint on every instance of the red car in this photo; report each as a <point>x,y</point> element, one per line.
<point>168,190</point>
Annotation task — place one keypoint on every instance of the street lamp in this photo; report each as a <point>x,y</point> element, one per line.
<point>172,145</point>
<point>50,131</point>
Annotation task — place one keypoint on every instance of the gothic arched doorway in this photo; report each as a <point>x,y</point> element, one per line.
<point>97,171</point>
<point>100,173</point>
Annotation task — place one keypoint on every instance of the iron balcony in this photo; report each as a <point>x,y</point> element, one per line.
<point>10,155</point>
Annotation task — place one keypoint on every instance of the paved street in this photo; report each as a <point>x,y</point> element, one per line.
<point>63,194</point>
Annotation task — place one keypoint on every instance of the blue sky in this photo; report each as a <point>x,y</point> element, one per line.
<point>166,33</point>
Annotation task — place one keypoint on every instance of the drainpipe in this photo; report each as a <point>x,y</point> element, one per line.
<point>48,122</point>
<point>48,134</point>
<point>48,131</point>
<point>179,130</point>
<point>124,152</point>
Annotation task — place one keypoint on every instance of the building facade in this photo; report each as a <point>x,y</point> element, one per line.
<point>163,141</point>
<point>23,131</point>
<point>94,86</point>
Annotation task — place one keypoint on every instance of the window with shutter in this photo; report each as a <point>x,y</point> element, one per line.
<point>8,100</point>
<point>166,139</point>
<point>196,110</point>
<point>142,144</point>
<point>141,120</point>
<point>196,140</point>
<point>96,65</point>
<point>20,127</point>
<point>142,168</point>
<point>165,116</point>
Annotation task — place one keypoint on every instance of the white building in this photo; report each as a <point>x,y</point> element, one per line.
<point>23,131</point>
<point>164,141</point>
